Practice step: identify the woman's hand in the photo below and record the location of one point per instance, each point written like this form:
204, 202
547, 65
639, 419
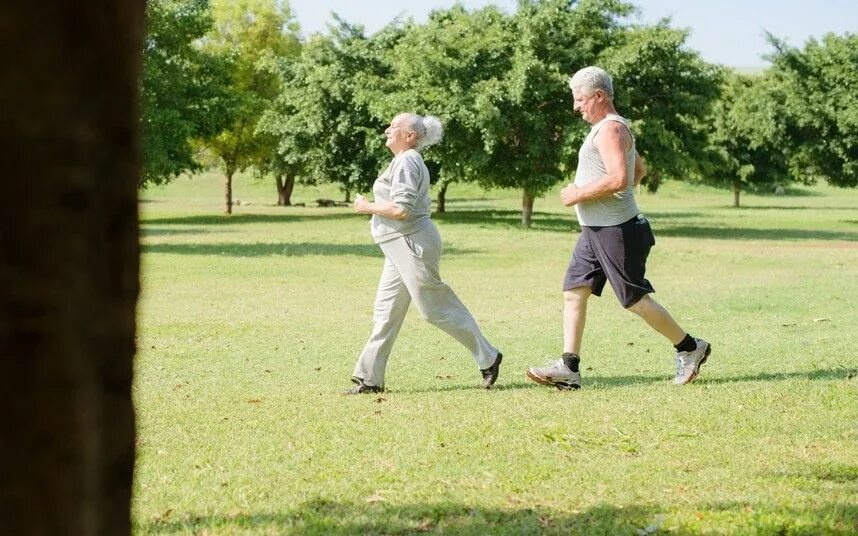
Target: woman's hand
361, 205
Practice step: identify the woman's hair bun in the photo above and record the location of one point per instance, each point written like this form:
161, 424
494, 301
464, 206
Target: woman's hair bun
434, 131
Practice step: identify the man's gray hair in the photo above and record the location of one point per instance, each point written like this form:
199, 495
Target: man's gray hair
428, 128
590, 79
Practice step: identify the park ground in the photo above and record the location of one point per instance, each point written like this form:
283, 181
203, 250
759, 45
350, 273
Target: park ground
249, 326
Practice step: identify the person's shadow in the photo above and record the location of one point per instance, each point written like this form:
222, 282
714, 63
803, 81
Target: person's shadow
608, 382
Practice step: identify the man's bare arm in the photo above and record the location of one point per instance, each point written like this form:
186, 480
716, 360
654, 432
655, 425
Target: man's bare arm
640, 168
613, 142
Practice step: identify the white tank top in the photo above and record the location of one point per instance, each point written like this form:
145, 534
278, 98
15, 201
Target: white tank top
612, 209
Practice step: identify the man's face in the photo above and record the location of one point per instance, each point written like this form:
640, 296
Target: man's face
586, 104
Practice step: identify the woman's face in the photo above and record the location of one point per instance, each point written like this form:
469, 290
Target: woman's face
399, 136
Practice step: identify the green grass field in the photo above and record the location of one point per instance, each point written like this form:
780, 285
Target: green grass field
250, 324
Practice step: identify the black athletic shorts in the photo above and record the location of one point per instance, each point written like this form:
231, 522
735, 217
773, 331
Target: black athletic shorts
616, 253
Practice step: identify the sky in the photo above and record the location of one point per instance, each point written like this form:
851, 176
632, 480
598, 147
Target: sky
729, 32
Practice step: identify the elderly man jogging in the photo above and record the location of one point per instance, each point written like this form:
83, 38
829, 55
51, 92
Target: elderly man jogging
615, 238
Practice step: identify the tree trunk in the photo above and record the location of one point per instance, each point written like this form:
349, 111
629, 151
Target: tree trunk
526, 208
70, 259
348, 196
228, 191
652, 181
442, 198
284, 190
737, 187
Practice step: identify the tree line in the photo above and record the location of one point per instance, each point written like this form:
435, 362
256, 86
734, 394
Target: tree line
234, 84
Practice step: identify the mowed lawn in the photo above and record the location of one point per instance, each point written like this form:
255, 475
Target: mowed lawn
250, 324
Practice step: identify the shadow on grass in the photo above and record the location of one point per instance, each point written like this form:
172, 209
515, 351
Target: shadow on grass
465, 200
154, 231
284, 249
510, 218
622, 381
788, 207
746, 233
664, 224
606, 382
541, 221
238, 219
825, 473
322, 516
475, 386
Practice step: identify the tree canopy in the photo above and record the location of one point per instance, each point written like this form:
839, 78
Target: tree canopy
747, 137
321, 116
526, 114
237, 76
183, 93
820, 114
667, 90
246, 35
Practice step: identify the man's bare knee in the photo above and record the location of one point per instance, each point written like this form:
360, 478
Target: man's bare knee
579, 294
641, 306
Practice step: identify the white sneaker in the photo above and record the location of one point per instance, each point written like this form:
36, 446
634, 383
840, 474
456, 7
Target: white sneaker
688, 363
556, 374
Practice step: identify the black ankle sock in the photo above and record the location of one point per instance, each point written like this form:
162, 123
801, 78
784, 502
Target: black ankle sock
688, 344
571, 360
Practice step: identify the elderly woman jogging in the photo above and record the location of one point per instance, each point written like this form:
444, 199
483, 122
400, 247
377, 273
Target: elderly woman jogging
402, 228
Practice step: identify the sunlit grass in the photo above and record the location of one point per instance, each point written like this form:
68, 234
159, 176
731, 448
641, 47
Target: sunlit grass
250, 325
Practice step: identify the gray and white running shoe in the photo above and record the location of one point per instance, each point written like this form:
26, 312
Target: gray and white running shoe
688, 363
557, 374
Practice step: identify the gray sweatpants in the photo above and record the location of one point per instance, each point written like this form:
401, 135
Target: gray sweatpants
411, 272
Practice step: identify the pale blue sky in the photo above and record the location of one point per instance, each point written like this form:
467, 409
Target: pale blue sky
730, 32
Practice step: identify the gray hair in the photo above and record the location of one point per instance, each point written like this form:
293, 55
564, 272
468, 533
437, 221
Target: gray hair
590, 79
428, 129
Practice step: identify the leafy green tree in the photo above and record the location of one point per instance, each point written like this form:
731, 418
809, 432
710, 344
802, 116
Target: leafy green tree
248, 34
667, 91
499, 84
526, 117
438, 68
183, 93
292, 144
821, 107
322, 123
747, 135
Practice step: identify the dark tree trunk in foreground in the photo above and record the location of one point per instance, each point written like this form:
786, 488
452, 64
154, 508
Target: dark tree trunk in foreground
69, 272
285, 185
442, 198
737, 189
526, 208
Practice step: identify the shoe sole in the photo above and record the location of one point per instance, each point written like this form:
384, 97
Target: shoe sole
365, 392
489, 382
366, 389
546, 381
696, 372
